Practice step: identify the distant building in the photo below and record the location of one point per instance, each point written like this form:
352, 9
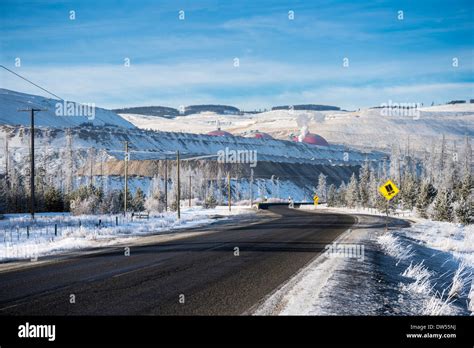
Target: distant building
313, 139
260, 135
220, 133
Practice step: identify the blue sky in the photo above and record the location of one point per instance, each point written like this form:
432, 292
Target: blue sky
281, 61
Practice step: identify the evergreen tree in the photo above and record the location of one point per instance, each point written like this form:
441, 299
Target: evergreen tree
3, 196
138, 201
53, 200
113, 203
154, 202
464, 211
332, 196
464, 208
465, 188
425, 198
341, 195
129, 199
409, 190
373, 192
352, 192
443, 206
86, 200
364, 187
210, 202
321, 189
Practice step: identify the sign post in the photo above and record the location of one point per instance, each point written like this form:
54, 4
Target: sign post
388, 190
315, 200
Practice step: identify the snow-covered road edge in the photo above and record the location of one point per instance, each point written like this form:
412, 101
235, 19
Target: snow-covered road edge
423, 269
299, 294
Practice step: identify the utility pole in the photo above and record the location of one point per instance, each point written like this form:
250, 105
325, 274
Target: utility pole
69, 162
229, 191
190, 190
166, 184
32, 158
91, 175
126, 179
178, 198
251, 188
278, 187
102, 170
7, 159
273, 185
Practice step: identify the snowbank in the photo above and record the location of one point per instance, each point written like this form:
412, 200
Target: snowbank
425, 269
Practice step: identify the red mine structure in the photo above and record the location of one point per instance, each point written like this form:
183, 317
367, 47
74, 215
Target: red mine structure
261, 135
220, 133
313, 139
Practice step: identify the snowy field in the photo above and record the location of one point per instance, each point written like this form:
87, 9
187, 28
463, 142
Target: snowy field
20, 239
424, 269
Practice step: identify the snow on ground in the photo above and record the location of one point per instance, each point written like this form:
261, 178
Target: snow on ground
441, 265
424, 269
20, 239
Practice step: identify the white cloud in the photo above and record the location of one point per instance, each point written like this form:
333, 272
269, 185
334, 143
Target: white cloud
199, 81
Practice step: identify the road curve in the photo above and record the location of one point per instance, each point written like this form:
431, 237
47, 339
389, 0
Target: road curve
203, 268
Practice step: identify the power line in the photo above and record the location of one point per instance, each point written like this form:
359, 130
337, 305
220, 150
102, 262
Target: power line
34, 84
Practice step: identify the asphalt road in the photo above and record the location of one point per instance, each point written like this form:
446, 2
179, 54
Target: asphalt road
203, 268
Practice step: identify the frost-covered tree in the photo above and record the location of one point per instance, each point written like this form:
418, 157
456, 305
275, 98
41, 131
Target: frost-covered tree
409, 190
364, 187
464, 205
322, 189
395, 163
154, 203
464, 211
210, 202
425, 198
443, 206
352, 192
341, 195
449, 174
86, 200
3, 196
465, 189
138, 200
373, 192
112, 202
332, 196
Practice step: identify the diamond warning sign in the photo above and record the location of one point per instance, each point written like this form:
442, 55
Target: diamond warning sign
389, 190
316, 199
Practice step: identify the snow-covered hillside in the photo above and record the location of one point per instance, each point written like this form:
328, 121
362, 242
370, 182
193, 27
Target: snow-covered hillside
156, 145
369, 128
65, 148
11, 102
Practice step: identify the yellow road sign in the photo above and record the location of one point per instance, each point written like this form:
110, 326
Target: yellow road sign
316, 199
389, 190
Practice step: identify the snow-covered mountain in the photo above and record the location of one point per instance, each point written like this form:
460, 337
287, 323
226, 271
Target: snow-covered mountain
65, 147
11, 102
367, 129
